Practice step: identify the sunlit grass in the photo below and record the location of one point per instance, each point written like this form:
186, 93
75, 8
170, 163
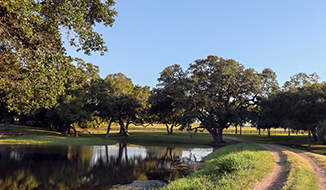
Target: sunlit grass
319, 159
232, 167
162, 138
301, 175
38, 136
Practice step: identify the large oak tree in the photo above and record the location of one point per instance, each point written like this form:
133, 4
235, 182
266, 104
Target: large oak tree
220, 92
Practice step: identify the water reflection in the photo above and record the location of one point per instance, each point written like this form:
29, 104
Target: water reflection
91, 167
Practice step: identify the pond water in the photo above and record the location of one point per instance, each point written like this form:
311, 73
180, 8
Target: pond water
92, 167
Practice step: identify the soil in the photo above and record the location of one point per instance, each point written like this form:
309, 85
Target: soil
317, 170
275, 179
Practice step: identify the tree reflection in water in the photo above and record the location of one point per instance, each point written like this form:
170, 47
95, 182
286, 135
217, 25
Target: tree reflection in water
87, 167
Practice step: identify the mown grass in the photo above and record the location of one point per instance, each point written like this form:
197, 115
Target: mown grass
162, 128
181, 140
232, 167
38, 136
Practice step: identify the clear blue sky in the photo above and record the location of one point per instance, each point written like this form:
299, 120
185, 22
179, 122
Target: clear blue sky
148, 35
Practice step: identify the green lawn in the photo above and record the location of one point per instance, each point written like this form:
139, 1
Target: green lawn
153, 136
39, 136
34, 135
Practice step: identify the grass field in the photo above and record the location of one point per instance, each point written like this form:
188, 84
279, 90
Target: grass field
155, 136
39, 136
162, 128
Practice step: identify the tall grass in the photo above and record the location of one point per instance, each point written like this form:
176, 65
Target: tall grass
232, 167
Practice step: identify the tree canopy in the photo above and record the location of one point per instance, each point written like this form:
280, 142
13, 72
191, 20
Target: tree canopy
34, 64
167, 100
220, 92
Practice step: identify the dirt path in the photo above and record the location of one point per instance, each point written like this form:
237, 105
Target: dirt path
278, 176
275, 179
317, 169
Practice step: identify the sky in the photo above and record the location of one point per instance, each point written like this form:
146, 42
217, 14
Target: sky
147, 36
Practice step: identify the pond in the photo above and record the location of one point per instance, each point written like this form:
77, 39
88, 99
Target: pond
92, 167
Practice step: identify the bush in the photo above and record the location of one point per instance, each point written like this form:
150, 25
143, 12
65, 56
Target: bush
235, 161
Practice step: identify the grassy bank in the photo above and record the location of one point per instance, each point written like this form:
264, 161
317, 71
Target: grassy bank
232, 167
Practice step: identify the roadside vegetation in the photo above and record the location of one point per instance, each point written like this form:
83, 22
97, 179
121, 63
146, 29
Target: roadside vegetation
232, 167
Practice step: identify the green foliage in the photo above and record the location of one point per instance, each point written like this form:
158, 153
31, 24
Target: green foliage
167, 100
299, 106
221, 91
116, 99
300, 80
34, 64
94, 122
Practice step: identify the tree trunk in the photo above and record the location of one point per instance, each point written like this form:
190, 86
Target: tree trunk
240, 130
289, 132
64, 129
269, 132
213, 132
121, 130
108, 131
169, 129
123, 127
220, 134
236, 129
216, 134
75, 131
315, 136
309, 134
7, 121
258, 131
127, 124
